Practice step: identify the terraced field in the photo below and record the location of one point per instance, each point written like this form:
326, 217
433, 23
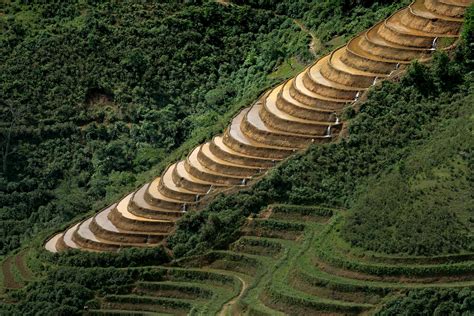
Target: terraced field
303, 110
15, 271
290, 261
173, 291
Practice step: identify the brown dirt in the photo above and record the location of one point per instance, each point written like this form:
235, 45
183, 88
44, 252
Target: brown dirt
21, 265
224, 2
266, 213
8, 277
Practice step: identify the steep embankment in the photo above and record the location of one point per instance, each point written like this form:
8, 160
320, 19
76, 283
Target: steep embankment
301, 111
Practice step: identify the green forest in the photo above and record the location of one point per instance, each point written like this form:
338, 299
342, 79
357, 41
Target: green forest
98, 97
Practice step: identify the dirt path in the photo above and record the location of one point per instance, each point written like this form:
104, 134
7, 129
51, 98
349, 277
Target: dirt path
227, 308
8, 277
315, 43
265, 214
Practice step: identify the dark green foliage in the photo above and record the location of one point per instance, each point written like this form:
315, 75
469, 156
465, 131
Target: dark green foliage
66, 291
193, 290
419, 208
279, 225
301, 210
330, 19
127, 257
432, 302
423, 204
159, 303
468, 34
111, 89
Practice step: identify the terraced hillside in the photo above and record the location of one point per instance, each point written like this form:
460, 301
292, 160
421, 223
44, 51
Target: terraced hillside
15, 272
289, 260
303, 110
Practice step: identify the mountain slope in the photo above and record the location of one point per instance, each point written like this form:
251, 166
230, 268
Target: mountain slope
303, 110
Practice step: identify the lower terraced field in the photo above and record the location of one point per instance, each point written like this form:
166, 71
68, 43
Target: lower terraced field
289, 260
15, 272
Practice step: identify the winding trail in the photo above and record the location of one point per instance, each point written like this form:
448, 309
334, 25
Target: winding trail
315, 42
227, 308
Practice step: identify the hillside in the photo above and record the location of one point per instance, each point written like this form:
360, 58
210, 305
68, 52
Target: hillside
118, 99
305, 109
377, 221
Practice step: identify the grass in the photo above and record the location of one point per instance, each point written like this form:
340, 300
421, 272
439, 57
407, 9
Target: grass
300, 213
148, 303
280, 294
258, 246
123, 312
329, 252
21, 263
172, 290
15, 272
288, 68
359, 254
10, 274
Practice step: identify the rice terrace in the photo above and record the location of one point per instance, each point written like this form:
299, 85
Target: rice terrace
293, 157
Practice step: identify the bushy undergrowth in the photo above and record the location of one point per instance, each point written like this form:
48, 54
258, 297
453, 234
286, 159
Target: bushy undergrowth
91, 143
127, 257
330, 19
67, 289
424, 205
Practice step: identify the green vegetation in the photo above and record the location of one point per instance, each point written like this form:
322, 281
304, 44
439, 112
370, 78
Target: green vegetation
330, 19
423, 206
432, 302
